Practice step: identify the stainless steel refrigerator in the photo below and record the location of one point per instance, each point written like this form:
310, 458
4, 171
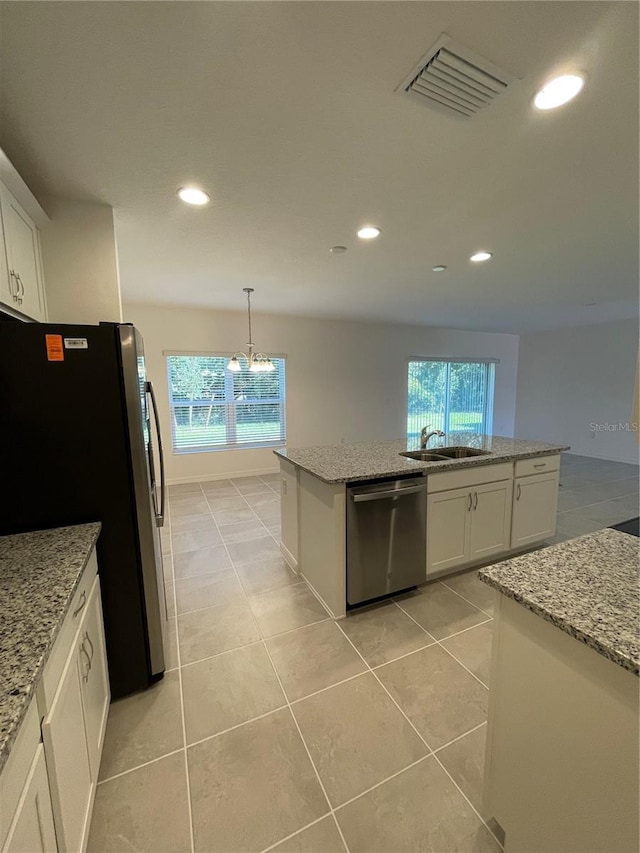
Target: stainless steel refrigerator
80, 441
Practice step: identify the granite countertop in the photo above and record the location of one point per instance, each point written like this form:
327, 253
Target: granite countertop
587, 587
39, 573
343, 463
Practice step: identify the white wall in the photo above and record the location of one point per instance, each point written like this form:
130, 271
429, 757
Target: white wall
345, 380
80, 262
571, 378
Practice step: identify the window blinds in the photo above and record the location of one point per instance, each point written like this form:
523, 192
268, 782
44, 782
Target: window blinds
213, 408
453, 396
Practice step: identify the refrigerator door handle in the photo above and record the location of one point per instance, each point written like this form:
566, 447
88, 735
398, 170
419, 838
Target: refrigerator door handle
163, 487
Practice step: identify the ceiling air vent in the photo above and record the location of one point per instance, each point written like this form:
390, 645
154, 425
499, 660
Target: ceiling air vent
453, 79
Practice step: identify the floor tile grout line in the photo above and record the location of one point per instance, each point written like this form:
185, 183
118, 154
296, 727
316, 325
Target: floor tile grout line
181, 693
474, 809
459, 737
329, 687
244, 592
403, 655
442, 639
140, 766
445, 649
261, 520
238, 725
464, 630
384, 781
297, 832
464, 598
429, 750
304, 743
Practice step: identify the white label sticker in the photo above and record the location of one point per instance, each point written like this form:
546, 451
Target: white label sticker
76, 343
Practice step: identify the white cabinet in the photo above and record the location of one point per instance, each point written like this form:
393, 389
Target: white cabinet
94, 679
448, 528
21, 280
73, 729
467, 525
32, 829
535, 504
68, 763
490, 519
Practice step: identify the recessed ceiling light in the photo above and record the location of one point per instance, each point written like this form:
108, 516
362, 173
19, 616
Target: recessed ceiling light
368, 232
439, 268
558, 91
481, 256
192, 195
338, 250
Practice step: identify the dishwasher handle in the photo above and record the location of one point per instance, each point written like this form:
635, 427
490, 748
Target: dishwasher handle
392, 493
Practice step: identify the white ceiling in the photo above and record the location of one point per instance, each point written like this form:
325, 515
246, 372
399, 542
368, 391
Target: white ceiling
286, 113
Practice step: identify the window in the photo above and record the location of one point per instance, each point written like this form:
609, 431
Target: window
213, 408
454, 396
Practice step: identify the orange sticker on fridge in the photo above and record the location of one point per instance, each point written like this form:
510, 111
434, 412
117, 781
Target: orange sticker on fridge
55, 352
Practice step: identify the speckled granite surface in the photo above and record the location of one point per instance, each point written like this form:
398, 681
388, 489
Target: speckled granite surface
587, 586
39, 573
343, 463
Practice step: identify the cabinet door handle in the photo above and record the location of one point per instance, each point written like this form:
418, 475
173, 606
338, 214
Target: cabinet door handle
13, 277
475, 501
87, 638
83, 601
518, 492
469, 502
20, 292
85, 677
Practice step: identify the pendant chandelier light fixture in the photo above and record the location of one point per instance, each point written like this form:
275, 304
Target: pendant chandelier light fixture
257, 362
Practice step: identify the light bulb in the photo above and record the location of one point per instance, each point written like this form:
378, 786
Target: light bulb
368, 232
559, 91
192, 195
481, 256
234, 365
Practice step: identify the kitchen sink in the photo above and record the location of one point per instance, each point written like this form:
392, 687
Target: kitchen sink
460, 452
442, 454
424, 456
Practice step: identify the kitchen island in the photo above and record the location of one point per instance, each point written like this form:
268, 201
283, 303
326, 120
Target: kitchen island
495, 503
562, 755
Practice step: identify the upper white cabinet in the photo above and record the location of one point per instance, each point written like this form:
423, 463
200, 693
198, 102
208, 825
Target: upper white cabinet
21, 280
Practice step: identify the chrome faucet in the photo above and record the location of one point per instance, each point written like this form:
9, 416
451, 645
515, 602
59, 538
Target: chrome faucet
425, 436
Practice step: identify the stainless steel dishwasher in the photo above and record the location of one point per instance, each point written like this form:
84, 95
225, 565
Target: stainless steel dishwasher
386, 538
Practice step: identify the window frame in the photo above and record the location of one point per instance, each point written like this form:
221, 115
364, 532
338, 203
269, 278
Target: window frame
489, 396
230, 406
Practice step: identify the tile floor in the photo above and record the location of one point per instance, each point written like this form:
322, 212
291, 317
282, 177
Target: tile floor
276, 728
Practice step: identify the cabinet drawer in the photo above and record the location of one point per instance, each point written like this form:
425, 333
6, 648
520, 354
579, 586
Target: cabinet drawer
62, 647
473, 476
537, 465
16, 770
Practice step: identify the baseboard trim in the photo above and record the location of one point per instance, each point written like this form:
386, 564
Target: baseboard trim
319, 597
602, 458
206, 478
289, 559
